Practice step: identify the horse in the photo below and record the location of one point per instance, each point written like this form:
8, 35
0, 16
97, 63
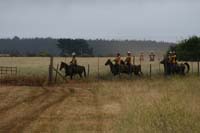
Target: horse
122, 68
71, 70
182, 68
136, 69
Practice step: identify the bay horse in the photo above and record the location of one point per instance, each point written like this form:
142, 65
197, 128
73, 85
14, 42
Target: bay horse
181, 68
122, 68
71, 70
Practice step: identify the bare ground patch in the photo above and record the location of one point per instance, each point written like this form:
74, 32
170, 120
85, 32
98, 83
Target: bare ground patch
69, 108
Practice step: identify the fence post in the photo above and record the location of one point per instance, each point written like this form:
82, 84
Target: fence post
98, 69
56, 73
192, 67
88, 74
51, 70
150, 70
198, 68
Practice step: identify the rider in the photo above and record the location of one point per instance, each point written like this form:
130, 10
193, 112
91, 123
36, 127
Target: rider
173, 61
128, 58
117, 60
73, 62
173, 57
169, 56
128, 61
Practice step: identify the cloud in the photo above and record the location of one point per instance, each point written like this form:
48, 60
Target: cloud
120, 19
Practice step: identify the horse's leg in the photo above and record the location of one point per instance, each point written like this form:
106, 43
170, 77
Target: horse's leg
80, 74
141, 73
183, 70
130, 70
137, 73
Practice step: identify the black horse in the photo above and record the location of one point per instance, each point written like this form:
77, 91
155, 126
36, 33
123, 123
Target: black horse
71, 70
117, 69
182, 68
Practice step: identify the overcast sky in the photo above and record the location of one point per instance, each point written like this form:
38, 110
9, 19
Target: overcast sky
161, 20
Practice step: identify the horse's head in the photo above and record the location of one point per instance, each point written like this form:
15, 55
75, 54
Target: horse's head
108, 62
62, 65
164, 61
122, 62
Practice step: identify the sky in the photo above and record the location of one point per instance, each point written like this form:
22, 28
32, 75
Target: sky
160, 20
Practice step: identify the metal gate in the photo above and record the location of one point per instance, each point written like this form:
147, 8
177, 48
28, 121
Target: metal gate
6, 71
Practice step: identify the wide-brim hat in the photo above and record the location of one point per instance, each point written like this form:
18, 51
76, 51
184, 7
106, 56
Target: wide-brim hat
73, 54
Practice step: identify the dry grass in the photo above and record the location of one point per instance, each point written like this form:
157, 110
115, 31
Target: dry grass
24, 80
161, 106
111, 104
141, 105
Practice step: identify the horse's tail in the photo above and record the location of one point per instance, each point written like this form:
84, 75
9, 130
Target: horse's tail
188, 67
84, 71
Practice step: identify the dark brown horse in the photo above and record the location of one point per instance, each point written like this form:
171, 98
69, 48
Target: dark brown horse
122, 68
71, 70
181, 68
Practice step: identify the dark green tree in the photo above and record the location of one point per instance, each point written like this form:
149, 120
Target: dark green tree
188, 49
79, 46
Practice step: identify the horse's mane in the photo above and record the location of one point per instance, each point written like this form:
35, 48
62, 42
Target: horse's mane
64, 63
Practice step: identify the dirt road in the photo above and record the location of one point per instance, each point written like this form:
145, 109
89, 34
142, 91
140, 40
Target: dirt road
75, 108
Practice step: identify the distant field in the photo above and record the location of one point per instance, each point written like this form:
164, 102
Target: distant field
39, 65
159, 105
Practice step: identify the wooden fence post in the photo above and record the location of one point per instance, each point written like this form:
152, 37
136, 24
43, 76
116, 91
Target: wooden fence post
198, 68
56, 73
150, 70
192, 67
88, 74
51, 70
98, 69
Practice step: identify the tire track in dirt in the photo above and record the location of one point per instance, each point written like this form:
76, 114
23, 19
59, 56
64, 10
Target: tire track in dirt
27, 100
4, 95
18, 124
97, 105
104, 111
9, 123
49, 119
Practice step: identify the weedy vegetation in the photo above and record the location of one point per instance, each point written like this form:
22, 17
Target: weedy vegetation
110, 104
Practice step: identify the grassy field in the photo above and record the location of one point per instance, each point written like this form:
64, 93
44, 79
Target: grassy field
39, 65
112, 104
124, 106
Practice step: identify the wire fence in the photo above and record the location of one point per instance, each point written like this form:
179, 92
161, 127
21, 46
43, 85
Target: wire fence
95, 66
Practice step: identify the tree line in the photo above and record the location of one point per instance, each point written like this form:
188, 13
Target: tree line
65, 46
188, 49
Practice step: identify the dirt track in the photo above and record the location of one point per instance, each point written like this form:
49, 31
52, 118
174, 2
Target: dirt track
55, 109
